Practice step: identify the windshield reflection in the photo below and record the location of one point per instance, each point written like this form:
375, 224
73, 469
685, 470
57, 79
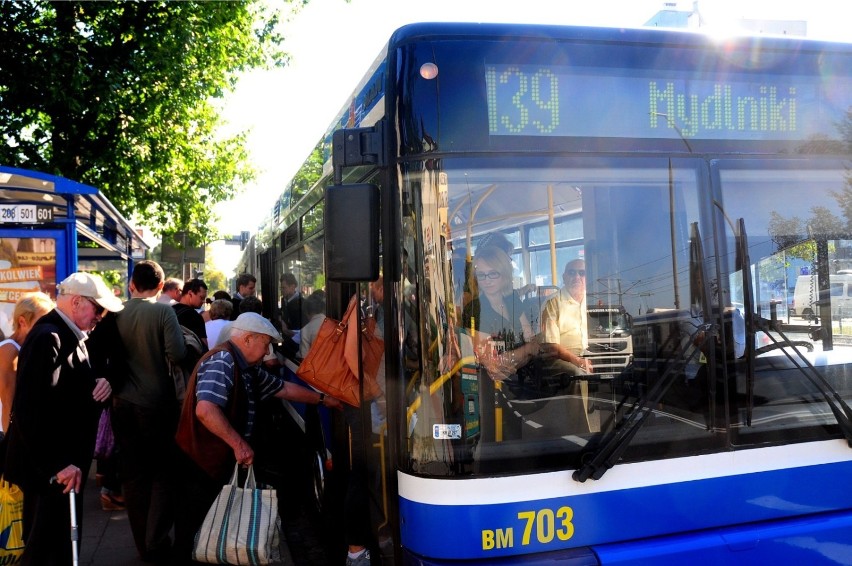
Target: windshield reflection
558, 302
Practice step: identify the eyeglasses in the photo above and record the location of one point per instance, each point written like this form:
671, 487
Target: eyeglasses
575, 272
490, 275
99, 310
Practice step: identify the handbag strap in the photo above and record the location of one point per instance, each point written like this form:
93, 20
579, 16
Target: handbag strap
235, 475
250, 482
353, 302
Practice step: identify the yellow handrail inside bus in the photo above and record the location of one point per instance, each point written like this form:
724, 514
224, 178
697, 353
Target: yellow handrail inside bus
551, 226
410, 386
498, 413
384, 478
436, 385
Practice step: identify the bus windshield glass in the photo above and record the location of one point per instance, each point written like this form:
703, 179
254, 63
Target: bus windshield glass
556, 293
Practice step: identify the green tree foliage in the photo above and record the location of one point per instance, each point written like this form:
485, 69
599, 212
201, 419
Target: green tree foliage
215, 279
308, 174
120, 96
797, 237
113, 278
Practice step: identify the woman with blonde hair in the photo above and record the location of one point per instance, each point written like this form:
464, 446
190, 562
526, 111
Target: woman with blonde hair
496, 317
28, 310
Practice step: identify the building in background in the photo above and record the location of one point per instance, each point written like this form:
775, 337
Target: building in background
683, 15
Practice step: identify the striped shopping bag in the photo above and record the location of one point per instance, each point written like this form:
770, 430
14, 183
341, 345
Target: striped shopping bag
241, 527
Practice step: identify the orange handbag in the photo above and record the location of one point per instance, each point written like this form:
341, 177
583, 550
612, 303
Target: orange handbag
331, 365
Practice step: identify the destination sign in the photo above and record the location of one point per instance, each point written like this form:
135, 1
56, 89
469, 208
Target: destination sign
542, 100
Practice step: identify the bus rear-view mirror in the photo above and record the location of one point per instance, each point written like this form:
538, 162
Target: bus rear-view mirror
352, 232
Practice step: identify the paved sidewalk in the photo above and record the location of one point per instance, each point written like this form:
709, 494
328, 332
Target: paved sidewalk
106, 538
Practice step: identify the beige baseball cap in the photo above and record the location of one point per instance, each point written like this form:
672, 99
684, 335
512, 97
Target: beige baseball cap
92, 286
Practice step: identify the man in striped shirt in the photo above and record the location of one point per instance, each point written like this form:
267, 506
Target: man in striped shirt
218, 420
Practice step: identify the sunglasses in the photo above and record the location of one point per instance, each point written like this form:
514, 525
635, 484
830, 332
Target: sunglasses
99, 310
575, 272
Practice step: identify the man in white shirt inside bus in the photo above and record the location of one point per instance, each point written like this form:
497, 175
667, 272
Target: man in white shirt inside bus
564, 325
564, 320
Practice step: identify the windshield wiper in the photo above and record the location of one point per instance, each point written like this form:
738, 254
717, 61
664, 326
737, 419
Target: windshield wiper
839, 407
701, 296
743, 263
617, 441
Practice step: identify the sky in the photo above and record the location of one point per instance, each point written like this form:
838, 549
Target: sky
333, 42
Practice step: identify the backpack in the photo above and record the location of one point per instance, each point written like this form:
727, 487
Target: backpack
182, 370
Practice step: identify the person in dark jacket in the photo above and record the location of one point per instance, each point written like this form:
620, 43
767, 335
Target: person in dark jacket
245, 283
55, 415
217, 425
192, 298
146, 407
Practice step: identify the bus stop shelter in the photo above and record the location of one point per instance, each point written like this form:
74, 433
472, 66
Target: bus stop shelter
51, 227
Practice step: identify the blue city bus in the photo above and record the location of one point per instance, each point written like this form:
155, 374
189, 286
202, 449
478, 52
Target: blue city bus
688, 173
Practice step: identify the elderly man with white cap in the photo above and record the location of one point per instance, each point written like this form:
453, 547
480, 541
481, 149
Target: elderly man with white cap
217, 423
55, 415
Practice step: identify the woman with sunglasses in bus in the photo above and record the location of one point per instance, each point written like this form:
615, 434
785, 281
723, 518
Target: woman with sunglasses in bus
501, 330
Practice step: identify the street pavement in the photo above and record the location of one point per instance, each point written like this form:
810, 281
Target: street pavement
106, 539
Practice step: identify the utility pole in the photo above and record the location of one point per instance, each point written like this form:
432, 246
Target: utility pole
619, 291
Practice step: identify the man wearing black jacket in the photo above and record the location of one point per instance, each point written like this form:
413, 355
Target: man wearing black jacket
192, 298
57, 403
246, 284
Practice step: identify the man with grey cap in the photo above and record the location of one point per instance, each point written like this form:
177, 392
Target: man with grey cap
217, 422
58, 401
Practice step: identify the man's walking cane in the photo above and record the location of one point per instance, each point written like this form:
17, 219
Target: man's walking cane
75, 534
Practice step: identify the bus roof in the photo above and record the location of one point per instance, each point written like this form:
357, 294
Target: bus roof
624, 35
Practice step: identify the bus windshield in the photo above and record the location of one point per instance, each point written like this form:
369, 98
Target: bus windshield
519, 250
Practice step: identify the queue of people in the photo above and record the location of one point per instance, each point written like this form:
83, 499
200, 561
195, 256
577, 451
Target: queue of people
68, 361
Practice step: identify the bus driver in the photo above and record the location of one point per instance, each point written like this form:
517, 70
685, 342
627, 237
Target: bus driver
564, 320
565, 329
